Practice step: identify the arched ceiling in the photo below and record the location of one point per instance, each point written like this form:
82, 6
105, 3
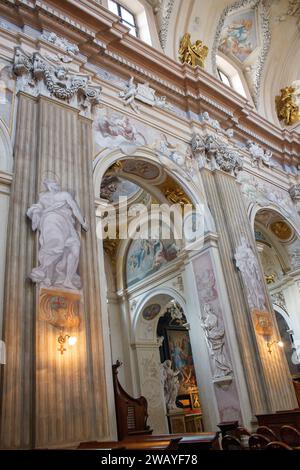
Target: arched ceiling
274, 64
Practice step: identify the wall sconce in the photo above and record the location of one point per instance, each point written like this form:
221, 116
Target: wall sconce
63, 339
271, 343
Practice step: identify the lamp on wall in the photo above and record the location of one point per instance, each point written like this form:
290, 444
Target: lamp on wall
271, 343
63, 339
62, 310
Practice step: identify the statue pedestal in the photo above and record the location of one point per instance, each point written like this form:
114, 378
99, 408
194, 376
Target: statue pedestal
176, 419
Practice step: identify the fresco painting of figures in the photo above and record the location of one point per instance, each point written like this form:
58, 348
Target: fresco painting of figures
146, 256
239, 37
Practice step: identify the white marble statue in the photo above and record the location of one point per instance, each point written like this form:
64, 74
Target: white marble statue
215, 336
247, 263
54, 216
171, 384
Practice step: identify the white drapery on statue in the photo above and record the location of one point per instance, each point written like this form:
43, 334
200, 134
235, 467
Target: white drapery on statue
54, 216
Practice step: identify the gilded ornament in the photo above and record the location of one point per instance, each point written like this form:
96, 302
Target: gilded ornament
287, 105
192, 54
281, 229
110, 246
174, 193
270, 278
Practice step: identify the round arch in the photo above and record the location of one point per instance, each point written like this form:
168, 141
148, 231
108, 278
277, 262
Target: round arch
167, 291
107, 157
254, 208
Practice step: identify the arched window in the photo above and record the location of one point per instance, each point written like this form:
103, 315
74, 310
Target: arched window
137, 15
127, 17
232, 76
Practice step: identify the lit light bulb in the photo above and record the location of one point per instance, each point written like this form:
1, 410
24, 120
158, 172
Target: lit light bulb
280, 344
72, 340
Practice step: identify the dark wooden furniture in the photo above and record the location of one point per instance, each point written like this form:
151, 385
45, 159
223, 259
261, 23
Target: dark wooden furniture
131, 412
296, 382
231, 443
290, 436
228, 427
258, 442
278, 445
276, 420
192, 442
267, 432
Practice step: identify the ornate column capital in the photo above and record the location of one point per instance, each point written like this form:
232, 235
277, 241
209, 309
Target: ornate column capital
37, 75
214, 151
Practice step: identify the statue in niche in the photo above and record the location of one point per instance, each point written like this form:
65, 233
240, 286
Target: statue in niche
215, 336
54, 216
192, 54
171, 384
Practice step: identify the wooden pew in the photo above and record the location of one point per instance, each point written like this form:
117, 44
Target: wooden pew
276, 420
188, 442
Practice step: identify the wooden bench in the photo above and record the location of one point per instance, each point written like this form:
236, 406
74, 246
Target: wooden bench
276, 420
188, 442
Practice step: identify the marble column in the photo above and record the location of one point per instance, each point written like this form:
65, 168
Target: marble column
267, 375
51, 399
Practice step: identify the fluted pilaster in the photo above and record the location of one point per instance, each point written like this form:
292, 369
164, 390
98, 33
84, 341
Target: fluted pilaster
69, 404
267, 376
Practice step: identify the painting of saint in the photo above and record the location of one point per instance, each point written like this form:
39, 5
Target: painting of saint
182, 359
238, 36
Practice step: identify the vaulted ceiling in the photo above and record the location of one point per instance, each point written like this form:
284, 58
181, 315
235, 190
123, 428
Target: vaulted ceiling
268, 54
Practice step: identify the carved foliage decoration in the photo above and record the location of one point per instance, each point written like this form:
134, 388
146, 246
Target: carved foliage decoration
36, 75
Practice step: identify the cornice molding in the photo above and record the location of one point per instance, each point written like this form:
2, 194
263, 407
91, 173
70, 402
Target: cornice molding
107, 43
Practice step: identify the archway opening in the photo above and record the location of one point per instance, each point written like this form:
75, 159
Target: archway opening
278, 245
181, 391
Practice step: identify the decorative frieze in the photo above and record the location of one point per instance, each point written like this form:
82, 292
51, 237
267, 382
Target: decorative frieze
258, 154
37, 75
144, 93
61, 42
262, 193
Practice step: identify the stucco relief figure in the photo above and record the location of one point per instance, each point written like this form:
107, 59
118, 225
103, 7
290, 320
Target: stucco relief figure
247, 263
171, 384
129, 94
215, 336
54, 216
